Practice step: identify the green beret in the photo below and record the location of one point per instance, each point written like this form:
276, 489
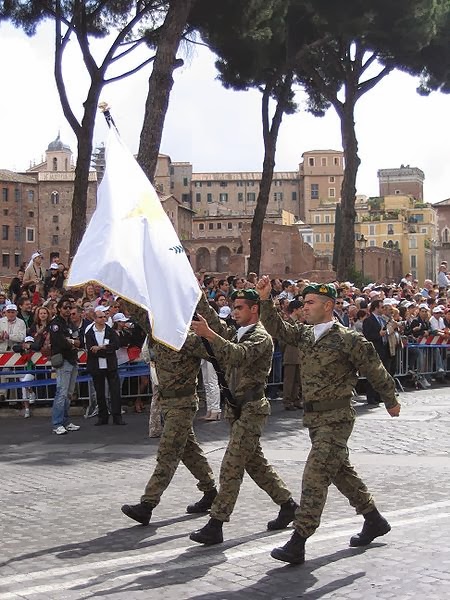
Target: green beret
249, 294
322, 289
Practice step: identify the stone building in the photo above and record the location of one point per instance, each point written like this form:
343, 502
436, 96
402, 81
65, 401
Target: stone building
405, 181
19, 220
318, 179
55, 178
443, 235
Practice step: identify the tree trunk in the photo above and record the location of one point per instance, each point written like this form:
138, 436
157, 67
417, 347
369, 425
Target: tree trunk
270, 135
346, 257
81, 183
160, 84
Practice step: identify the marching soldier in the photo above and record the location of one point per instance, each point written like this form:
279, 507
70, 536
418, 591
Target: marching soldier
331, 356
177, 381
247, 360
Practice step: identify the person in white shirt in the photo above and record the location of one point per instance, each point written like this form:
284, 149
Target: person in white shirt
12, 329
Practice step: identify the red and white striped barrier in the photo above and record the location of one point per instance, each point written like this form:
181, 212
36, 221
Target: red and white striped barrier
13, 359
439, 340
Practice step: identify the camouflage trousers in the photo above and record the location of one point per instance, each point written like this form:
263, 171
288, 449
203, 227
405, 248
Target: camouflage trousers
244, 453
154, 421
328, 462
178, 443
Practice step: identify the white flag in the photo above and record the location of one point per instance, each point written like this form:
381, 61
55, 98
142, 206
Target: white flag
131, 247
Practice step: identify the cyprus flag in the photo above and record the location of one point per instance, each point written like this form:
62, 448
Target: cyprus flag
131, 248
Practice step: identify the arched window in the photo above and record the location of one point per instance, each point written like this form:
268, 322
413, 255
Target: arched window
55, 164
55, 198
445, 235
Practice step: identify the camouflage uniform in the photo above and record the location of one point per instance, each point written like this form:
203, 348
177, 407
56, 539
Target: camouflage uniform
330, 370
247, 363
177, 379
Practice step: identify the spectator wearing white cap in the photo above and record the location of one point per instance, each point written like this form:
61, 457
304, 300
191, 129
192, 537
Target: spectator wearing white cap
12, 329
34, 273
54, 279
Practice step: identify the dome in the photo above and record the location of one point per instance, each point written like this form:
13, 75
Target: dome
58, 145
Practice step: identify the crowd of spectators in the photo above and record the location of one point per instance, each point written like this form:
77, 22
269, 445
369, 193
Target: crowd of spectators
389, 315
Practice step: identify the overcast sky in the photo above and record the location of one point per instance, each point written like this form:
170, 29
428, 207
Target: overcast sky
216, 129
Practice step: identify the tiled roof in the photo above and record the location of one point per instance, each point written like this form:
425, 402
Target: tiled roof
13, 177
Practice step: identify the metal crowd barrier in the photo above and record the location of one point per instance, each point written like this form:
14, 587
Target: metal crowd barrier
42, 379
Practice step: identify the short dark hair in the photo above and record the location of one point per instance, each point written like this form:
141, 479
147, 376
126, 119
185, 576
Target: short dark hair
375, 304
62, 301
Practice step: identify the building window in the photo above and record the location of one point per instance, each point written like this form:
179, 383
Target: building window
331, 179
311, 161
372, 243
327, 238
5, 232
240, 183
278, 183
413, 261
185, 198
223, 184
314, 191
17, 260
327, 219
29, 232
445, 235
251, 183
185, 181
416, 218
5, 194
372, 229
201, 226
208, 183
198, 184
210, 225
198, 197
172, 185
55, 218
171, 170
251, 196
390, 230
31, 213
278, 196
412, 243
294, 196
17, 195
5, 212
55, 240
316, 218
55, 164
17, 235
239, 225
423, 230
331, 192
240, 197
323, 161
223, 197
5, 261
229, 225
317, 237
219, 225
209, 198
54, 198
337, 161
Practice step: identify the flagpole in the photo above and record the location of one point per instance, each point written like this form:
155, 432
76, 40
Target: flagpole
105, 109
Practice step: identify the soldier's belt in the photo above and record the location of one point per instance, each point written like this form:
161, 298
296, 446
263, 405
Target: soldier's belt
323, 405
177, 392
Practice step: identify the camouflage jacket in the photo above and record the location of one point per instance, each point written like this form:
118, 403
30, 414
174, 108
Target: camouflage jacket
177, 371
330, 366
246, 363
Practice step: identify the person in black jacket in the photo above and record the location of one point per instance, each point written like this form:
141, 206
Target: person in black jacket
374, 330
64, 344
101, 344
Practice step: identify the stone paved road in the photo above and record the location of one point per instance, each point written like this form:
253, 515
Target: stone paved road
63, 535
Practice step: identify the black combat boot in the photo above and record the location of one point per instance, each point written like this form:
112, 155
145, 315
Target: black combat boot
285, 516
142, 512
204, 504
210, 534
292, 552
374, 526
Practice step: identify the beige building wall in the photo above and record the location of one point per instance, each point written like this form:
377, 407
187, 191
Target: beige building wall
322, 172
